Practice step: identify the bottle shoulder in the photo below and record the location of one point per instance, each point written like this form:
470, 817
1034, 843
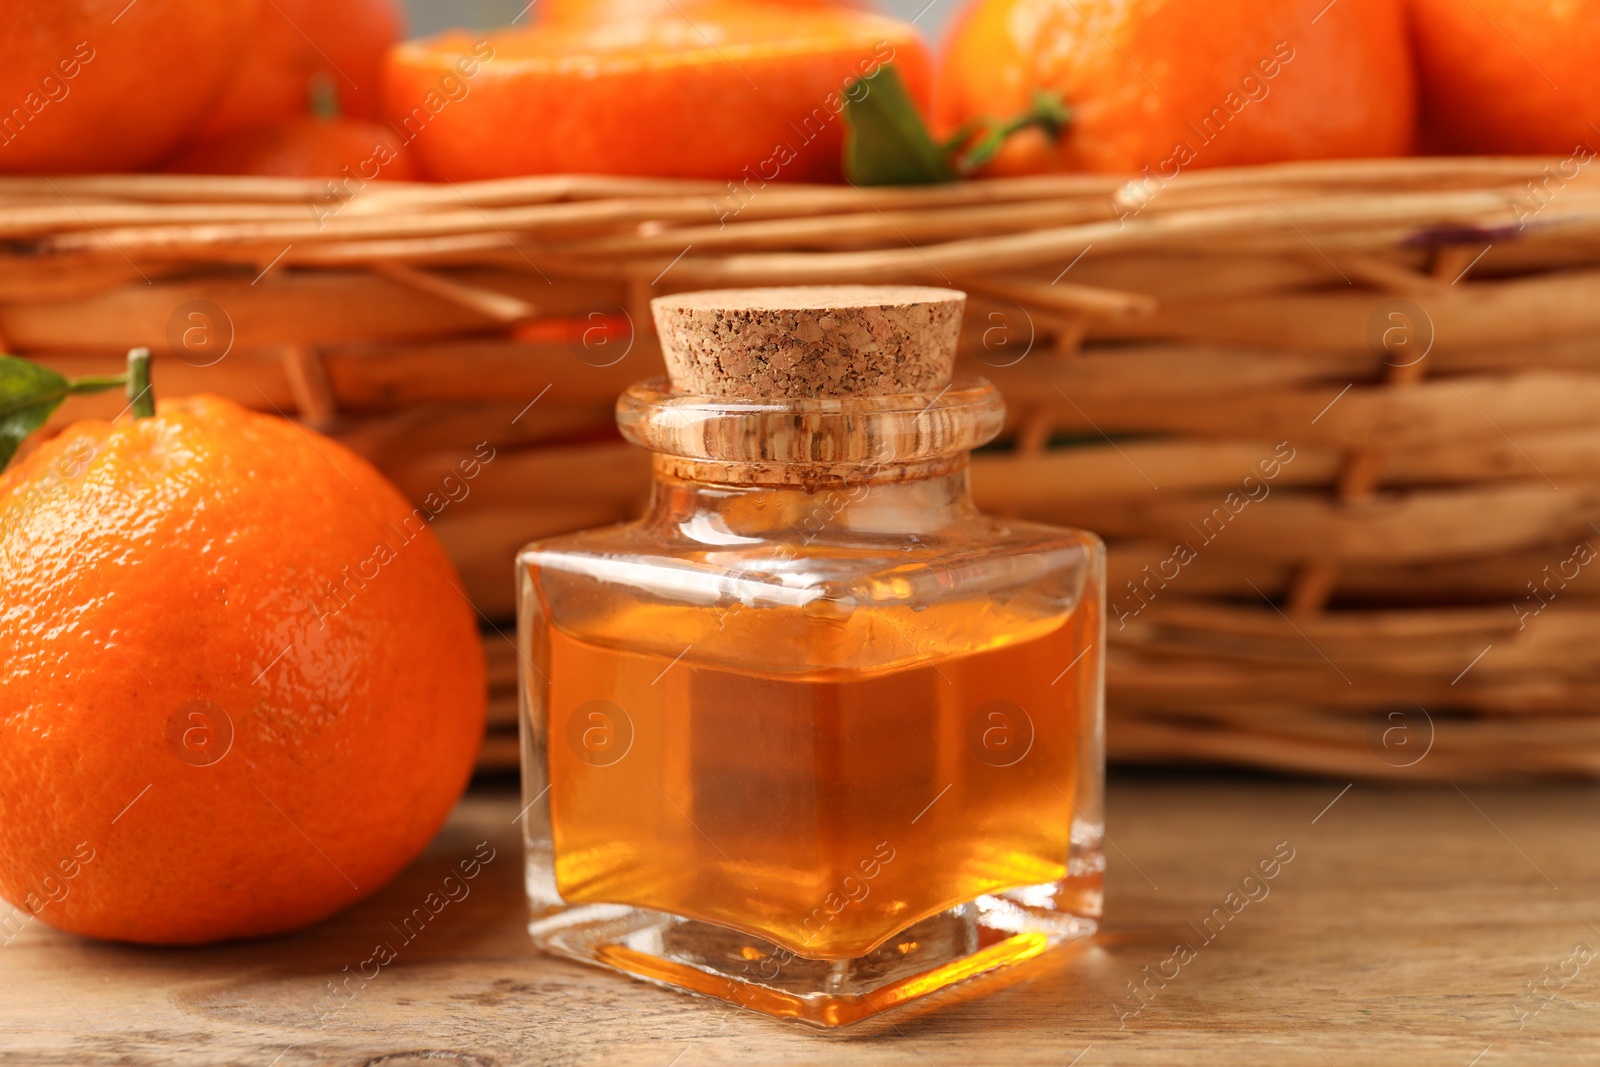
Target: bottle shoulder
978, 548
865, 602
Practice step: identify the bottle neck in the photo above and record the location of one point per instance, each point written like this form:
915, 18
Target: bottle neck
733, 470
896, 499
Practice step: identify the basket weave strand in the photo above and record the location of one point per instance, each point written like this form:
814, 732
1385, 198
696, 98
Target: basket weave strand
1411, 348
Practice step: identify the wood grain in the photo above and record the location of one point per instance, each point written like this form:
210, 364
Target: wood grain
1404, 929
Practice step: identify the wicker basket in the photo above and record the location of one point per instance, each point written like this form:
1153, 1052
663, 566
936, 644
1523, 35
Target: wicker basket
1340, 422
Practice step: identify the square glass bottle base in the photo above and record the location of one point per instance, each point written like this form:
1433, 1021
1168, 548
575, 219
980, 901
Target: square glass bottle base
979, 937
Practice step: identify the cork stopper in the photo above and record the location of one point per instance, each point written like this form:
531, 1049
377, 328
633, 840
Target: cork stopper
810, 341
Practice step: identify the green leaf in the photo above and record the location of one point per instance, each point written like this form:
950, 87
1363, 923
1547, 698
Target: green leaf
29, 394
885, 140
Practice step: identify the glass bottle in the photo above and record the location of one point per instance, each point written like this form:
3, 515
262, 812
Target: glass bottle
814, 735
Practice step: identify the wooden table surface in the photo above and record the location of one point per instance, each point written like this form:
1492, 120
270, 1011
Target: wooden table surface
1413, 925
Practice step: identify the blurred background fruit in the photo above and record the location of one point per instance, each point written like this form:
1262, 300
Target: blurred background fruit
736, 90
1503, 77
294, 44
300, 148
604, 10
237, 665
1171, 84
104, 85
428, 17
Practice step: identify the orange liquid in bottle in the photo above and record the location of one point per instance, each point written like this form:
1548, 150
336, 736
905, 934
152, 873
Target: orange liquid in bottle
823, 810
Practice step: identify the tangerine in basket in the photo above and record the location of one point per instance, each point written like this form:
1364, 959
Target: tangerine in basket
104, 85
300, 148
1499, 77
1175, 84
749, 92
299, 46
241, 687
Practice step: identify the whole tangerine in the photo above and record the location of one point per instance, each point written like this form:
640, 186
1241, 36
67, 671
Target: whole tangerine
241, 686
718, 90
1500, 77
1174, 84
105, 85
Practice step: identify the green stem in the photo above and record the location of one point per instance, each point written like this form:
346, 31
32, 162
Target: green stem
888, 143
324, 94
1049, 113
140, 395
